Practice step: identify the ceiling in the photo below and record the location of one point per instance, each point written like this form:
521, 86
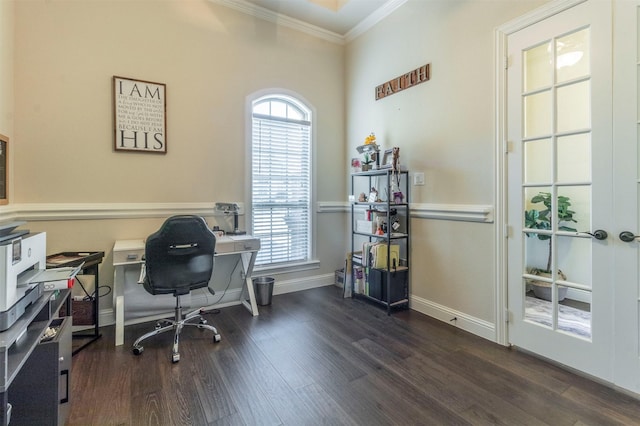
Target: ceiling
335, 18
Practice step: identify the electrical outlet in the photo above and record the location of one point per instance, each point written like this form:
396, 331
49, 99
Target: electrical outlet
418, 178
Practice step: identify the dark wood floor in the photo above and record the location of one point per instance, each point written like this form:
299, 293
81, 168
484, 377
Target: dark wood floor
314, 358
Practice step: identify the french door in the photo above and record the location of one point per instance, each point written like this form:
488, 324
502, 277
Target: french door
626, 122
560, 192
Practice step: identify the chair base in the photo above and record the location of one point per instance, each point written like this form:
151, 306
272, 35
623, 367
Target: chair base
177, 324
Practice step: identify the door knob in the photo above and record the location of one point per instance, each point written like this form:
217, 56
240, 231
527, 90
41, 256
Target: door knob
598, 234
628, 237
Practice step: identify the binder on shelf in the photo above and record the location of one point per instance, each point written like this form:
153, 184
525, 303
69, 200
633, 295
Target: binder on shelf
374, 255
379, 256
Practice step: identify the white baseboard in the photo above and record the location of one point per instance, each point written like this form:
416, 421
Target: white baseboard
461, 320
298, 284
231, 298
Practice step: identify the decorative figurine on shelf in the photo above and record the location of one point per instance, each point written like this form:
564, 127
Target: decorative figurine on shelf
363, 197
398, 197
395, 159
370, 150
373, 195
371, 139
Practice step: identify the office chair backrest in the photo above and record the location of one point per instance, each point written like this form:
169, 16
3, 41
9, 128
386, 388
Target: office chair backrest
179, 256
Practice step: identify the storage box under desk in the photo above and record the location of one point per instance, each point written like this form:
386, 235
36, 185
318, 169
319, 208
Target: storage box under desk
378, 284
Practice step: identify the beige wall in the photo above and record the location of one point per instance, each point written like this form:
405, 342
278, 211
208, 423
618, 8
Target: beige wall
210, 58
444, 128
6, 77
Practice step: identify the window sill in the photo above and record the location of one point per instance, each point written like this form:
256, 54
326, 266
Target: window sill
287, 268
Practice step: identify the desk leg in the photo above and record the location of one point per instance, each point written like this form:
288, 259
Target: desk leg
248, 260
91, 270
118, 303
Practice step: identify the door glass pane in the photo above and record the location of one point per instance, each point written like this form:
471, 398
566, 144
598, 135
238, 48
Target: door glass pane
537, 161
574, 158
574, 259
538, 225
537, 304
537, 114
574, 107
574, 208
537, 67
574, 312
572, 56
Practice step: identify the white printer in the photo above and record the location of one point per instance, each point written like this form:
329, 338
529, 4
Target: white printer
19, 256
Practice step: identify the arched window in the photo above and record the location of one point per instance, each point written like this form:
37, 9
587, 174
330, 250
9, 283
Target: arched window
281, 179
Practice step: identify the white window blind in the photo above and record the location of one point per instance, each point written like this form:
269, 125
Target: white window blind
281, 181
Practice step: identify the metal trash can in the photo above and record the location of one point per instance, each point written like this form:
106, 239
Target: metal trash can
263, 287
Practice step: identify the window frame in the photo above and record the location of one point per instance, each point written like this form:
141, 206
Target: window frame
296, 100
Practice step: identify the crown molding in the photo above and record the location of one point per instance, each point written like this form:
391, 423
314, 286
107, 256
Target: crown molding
279, 19
296, 24
366, 24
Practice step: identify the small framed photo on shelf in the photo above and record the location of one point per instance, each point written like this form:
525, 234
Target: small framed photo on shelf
387, 159
356, 166
373, 196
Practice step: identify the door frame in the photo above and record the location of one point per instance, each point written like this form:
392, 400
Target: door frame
502, 148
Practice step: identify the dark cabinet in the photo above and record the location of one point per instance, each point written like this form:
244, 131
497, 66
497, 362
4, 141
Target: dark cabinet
39, 394
35, 367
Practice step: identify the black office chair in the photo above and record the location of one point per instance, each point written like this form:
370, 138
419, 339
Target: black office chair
178, 259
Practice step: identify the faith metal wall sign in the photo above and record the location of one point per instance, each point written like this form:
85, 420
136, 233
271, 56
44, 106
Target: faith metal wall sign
405, 81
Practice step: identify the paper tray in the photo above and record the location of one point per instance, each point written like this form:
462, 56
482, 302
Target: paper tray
47, 275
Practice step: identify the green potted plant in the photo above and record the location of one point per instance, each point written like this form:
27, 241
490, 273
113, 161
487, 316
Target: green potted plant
366, 164
542, 219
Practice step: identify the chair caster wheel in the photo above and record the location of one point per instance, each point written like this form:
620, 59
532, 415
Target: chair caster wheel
201, 323
138, 350
175, 358
216, 338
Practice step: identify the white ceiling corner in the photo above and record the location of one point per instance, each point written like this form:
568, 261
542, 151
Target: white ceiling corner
351, 19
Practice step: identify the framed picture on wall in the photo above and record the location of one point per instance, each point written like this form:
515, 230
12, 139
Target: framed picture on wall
139, 115
4, 169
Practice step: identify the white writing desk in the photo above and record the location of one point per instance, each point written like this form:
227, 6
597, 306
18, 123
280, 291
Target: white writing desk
127, 253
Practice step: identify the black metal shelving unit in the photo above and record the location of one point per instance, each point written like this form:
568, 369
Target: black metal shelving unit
387, 286
89, 261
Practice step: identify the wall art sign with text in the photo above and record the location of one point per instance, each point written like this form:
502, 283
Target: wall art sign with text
139, 110
398, 84
4, 169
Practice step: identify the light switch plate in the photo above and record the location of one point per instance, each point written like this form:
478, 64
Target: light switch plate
418, 178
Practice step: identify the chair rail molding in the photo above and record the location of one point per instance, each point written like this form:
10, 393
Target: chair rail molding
80, 211
458, 212
92, 211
